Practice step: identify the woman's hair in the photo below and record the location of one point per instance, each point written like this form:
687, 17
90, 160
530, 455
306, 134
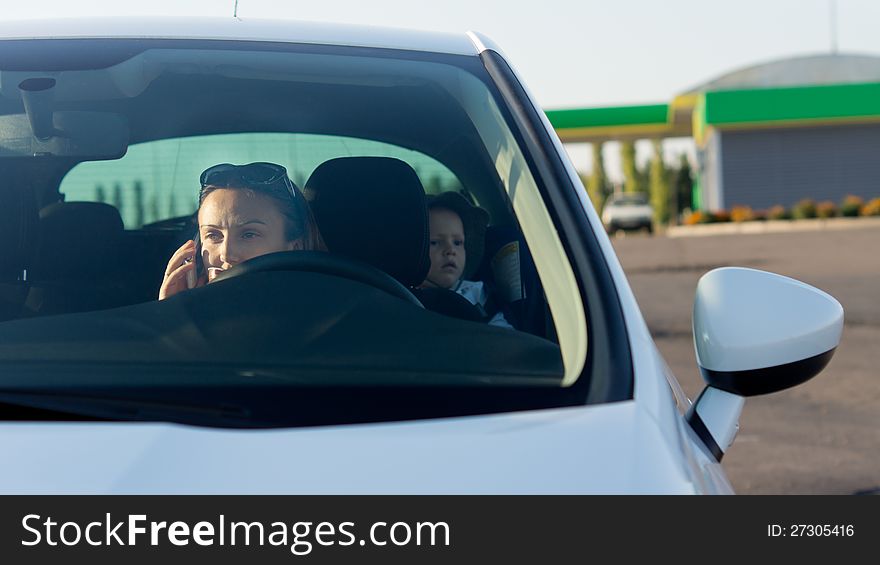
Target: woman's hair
300, 223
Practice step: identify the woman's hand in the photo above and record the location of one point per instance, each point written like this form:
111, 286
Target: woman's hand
179, 266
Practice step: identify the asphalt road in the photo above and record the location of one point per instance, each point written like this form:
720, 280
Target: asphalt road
822, 437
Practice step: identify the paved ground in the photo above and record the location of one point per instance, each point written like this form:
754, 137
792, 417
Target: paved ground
822, 437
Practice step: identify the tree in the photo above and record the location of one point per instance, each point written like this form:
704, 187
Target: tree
597, 183
139, 209
659, 185
155, 214
684, 186
172, 206
117, 197
632, 180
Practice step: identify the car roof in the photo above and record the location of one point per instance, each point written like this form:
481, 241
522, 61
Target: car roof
287, 31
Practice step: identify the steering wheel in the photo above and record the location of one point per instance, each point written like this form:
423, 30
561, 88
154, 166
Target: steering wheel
323, 263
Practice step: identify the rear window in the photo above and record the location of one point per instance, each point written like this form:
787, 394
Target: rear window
157, 180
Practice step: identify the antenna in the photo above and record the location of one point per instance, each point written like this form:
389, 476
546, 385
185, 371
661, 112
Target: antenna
832, 23
235, 10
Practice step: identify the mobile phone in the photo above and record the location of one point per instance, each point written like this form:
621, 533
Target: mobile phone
193, 276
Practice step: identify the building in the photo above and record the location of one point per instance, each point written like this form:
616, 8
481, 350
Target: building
774, 133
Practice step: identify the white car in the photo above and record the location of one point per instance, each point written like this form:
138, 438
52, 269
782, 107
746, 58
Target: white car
628, 211
312, 372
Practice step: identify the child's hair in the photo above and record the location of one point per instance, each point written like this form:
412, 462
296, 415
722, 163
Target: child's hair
474, 220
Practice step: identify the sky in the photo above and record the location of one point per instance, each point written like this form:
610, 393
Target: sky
572, 53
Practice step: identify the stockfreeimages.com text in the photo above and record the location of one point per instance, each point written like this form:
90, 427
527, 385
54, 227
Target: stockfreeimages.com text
300, 537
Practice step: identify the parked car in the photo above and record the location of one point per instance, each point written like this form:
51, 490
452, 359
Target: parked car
628, 211
313, 372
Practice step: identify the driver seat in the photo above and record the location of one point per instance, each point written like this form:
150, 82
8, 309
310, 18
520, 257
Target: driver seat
372, 209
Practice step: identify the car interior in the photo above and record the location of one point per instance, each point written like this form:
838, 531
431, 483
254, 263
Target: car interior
76, 256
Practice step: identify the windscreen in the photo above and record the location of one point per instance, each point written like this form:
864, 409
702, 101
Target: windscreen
369, 218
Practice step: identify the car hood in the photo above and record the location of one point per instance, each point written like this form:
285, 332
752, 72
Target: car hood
613, 448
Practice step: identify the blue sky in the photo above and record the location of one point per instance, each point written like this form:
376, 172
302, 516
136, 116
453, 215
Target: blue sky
572, 53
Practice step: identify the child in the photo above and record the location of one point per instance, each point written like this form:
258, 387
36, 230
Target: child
457, 231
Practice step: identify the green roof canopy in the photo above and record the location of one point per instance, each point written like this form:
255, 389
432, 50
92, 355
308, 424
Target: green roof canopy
611, 116
692, 114
792, 104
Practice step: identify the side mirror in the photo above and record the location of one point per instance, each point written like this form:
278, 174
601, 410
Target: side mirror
755, 333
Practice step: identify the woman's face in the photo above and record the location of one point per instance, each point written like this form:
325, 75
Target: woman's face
236, 225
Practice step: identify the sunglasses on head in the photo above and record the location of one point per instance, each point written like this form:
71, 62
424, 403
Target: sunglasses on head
250, 174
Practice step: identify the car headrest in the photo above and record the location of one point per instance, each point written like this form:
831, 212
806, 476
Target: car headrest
372, 209
78, 240
18, 220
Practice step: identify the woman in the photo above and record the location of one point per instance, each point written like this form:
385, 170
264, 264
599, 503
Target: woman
244, 211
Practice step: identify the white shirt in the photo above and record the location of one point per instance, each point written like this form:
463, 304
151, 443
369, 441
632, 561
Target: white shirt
475, 293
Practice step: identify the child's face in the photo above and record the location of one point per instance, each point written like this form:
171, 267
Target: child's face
446, 249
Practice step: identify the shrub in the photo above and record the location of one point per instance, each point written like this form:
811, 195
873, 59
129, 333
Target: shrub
872, 208
804, 209
778, 212
721, 216
697, 217
742, 214
826, 209
704, 217
851, 206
